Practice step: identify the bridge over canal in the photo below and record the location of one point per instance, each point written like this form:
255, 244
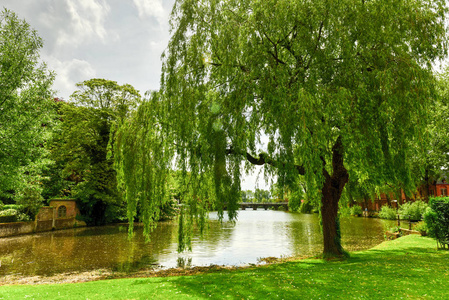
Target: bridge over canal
254, 206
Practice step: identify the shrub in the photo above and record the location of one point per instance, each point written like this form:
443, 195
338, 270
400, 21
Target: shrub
421, 227
13, 206
388, 213
12, 215
437, 220
344, 211
414, 210
356, 210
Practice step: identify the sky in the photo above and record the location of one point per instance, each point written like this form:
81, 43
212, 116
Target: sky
120, 40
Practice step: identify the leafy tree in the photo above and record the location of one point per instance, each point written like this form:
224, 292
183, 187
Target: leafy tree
341, 89
25, 109
83, 146
261, 195
437, 157
247, 196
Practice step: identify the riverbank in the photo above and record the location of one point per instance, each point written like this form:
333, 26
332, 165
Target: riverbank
409, 267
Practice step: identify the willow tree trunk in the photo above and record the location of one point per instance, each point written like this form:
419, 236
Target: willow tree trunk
330, 196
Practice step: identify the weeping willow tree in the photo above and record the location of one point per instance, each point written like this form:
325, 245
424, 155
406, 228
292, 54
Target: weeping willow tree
339, 88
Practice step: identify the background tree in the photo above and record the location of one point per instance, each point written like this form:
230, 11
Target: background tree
340, 88
26, 111
83, 146
261, 195
436, 160
247, 196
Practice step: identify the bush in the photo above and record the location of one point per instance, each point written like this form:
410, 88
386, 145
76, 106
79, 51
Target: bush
13, 206
12, 215
356, 210
437, 220
414, 210
344, 211
388, 213
421, 227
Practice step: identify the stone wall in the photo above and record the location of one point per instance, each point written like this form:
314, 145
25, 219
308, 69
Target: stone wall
69, 204
46, 220
64, 223
16, 228
45, 213
45, 225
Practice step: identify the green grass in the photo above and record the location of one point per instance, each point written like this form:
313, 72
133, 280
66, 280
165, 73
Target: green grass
409, 267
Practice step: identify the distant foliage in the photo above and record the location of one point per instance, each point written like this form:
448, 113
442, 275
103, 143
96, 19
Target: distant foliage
388, 213
169, 210
437, 220
413, 210
356, 210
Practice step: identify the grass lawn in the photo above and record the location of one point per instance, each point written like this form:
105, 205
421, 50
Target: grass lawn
409, 267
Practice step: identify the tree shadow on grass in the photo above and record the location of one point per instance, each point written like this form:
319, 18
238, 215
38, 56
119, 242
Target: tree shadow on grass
402, 269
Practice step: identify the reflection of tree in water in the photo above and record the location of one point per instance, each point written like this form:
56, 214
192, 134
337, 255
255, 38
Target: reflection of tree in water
36, 254
357, 233
83, 249
92, 248
109, 247
360, 233
132, 265
303, 231
184, 262
216, 233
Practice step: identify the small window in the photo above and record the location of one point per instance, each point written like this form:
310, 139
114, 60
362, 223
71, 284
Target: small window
443, 192
62, 211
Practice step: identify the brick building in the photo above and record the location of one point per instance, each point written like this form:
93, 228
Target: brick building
436, 189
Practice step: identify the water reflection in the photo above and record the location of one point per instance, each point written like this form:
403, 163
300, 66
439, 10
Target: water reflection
256, 234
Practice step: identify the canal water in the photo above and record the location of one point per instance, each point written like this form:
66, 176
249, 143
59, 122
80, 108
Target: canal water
256, 234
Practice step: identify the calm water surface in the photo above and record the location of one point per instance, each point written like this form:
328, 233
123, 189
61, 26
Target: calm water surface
256, 234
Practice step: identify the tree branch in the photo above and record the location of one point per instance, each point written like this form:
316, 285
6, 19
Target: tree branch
262, 159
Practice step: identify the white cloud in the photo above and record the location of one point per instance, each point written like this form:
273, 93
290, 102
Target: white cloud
68, 74
151, 8
86, 21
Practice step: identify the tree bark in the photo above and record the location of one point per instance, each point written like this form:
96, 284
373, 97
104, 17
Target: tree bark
330, 196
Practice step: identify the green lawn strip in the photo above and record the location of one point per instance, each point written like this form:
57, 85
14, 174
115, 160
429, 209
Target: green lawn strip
408, 267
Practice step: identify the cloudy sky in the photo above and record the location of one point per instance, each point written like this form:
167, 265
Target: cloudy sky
119, 40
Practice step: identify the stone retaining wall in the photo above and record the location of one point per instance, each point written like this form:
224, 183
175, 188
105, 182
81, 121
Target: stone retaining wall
16, 228
48, 218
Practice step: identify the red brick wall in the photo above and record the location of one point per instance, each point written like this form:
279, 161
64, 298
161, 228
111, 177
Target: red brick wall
45, 213
68, 203
439, 189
